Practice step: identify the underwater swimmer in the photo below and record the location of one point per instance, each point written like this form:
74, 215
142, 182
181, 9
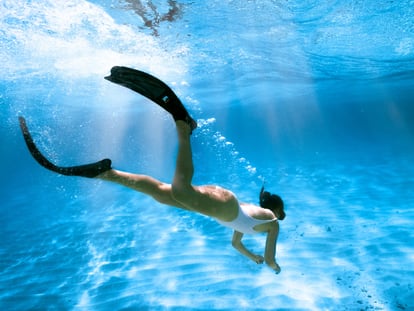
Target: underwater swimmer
213, 201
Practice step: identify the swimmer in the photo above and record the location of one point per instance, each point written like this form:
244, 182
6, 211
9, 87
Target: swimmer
212, 201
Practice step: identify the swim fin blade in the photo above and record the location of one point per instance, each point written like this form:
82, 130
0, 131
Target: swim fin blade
152, 88
88, 170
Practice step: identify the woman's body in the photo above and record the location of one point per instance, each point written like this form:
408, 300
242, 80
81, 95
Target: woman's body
212, 201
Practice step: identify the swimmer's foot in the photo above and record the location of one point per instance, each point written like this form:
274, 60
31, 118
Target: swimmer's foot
88, 170
154, 89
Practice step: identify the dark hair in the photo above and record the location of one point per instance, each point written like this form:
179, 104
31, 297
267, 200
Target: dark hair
272, 202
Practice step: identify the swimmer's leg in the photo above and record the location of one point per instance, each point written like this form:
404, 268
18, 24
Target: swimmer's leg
88, 170
210, 201
102, 170
158, 190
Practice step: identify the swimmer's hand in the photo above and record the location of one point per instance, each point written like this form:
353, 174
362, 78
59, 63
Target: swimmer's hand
275, 267
258, 259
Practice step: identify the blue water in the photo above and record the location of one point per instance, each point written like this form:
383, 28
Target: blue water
315, 97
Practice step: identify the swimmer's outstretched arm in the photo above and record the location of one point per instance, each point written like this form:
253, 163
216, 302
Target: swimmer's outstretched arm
237, 244
270, 250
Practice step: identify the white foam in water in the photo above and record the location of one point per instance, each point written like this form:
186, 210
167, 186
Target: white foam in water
75, 38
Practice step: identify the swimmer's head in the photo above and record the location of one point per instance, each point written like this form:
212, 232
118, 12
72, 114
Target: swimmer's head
272, 202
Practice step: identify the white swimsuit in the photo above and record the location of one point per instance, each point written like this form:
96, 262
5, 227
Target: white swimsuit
243, 222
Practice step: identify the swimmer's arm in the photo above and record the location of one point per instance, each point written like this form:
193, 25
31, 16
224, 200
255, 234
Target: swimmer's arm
237, 244
270, 250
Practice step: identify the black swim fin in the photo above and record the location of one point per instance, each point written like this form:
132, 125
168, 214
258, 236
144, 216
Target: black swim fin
152, 88
88, 170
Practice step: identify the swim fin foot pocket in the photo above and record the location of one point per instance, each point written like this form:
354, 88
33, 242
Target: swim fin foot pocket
154, 89
87, 170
